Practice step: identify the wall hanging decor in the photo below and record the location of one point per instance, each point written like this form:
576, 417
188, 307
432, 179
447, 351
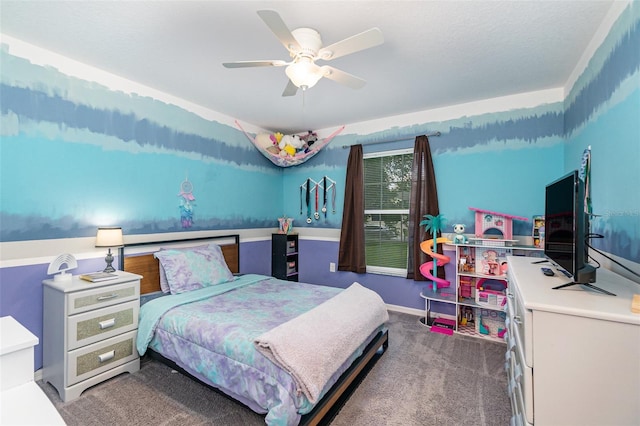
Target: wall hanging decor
186, 203
310, 197
289, 150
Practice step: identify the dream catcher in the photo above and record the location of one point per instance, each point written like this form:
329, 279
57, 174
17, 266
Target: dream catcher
186, 203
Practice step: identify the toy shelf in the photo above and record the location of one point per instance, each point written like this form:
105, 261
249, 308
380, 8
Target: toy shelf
475, 300
470, 330
443, 294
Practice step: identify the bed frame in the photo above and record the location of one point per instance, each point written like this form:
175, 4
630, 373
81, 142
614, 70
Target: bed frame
140, 261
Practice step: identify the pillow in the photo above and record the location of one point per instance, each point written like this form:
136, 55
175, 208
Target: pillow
164, 285
195, 268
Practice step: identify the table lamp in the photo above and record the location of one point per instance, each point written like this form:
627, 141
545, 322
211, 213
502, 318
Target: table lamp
110, 237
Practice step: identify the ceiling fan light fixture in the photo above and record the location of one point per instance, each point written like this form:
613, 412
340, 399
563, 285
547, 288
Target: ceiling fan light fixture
303, 74
304, 46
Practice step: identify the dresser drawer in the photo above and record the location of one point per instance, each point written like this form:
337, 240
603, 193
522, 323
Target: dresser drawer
82, 301
522, 376
99, 357
521, 321
93, 326
518, 418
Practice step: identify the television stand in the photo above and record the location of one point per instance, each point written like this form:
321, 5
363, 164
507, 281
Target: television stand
591, 286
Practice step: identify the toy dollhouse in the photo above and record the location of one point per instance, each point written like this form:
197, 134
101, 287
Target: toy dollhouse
489, 222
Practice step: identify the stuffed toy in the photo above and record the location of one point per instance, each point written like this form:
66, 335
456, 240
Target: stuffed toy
263, 140
459, 238
269, 142
309, 139
290, 144
285, 145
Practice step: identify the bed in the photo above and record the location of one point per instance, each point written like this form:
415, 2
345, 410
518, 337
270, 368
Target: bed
289, 350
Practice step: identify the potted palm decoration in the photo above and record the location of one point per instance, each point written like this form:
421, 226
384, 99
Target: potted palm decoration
434, 224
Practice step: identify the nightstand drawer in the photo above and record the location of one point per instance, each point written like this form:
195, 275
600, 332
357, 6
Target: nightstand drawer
82, 301
94, 359
93, 326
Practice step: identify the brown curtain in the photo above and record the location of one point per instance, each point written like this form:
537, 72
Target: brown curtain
424, 201
351, 254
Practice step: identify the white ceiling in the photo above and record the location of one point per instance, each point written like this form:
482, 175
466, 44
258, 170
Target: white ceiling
436, 53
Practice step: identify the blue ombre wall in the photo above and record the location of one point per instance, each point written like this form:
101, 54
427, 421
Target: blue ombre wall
82, 148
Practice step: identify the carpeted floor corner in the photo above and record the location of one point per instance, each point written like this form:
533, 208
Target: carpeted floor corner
423, 379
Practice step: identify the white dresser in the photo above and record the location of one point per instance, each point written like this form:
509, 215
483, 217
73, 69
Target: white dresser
89, 332
573, 355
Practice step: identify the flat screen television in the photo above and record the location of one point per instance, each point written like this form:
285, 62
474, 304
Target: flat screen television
566, 231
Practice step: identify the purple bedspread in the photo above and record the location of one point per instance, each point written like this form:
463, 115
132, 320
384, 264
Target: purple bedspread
213, 340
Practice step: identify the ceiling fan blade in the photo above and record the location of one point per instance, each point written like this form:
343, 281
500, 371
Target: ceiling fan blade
290, 90
280, 29
364, 40
246, 64
342, 77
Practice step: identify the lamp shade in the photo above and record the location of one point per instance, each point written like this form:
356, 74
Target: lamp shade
109, 237
304, 74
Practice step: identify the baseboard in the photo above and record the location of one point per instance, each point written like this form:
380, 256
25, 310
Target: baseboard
405, 310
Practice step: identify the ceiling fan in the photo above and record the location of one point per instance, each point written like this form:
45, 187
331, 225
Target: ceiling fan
305, 48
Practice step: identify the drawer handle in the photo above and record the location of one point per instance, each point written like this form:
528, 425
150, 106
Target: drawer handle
107, 356
111, 296
107, 323
517, 373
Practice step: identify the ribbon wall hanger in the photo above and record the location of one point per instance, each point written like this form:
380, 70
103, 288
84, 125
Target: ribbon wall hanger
310, 197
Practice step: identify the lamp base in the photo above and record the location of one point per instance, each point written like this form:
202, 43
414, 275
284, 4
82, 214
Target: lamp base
109, 260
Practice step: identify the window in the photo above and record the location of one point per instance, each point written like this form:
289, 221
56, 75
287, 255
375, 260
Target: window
387, 192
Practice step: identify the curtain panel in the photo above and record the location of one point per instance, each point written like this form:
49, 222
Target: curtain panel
424, 201
351, 255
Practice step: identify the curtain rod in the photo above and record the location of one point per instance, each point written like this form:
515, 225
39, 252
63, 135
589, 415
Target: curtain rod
390, 140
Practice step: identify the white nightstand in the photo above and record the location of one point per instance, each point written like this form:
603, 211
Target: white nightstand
89, 332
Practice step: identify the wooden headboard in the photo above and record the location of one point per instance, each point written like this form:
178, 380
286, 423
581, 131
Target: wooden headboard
138, 257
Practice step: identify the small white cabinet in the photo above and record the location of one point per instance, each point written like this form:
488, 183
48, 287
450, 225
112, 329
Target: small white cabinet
22, 402
573, 355
89, 331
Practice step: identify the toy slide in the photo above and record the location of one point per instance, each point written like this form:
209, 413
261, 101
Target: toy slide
426, 269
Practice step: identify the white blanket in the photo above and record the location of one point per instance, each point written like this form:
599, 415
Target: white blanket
314, 345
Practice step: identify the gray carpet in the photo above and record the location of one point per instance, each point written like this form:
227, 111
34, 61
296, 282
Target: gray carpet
423, 379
